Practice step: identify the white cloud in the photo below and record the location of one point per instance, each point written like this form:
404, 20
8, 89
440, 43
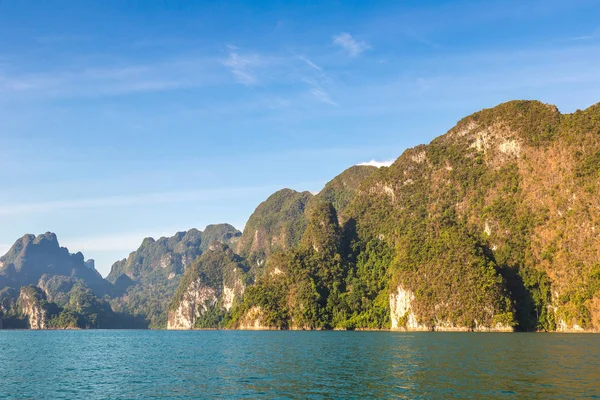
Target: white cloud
378, 164
352, 46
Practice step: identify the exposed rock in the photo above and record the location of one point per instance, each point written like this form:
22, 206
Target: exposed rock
146, 281
197, 299
31, 305
403, 317
253, 319
401, 313
213, 283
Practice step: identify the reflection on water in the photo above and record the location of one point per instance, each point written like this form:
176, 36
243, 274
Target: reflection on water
152, 364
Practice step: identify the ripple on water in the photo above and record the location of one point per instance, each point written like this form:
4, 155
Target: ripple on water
229, 364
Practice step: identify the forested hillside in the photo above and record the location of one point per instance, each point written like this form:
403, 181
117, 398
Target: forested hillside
493, 226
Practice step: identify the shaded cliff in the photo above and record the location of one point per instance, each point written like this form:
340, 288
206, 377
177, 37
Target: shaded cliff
279, 222
32, 257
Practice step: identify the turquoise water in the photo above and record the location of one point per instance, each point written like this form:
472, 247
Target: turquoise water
230, 364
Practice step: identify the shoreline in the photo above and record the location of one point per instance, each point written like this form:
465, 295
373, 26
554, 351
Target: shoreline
567, 332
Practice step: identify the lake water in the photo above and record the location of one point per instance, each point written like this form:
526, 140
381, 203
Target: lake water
233, 364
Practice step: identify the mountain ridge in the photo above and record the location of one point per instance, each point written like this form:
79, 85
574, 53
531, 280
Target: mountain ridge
492, 226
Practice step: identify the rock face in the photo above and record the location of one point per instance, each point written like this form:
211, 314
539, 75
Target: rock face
277, 224
401, 314
31, 304
209, 288
32, 257
253, 320
493, 226
196, 299
219, 233
146, 281
403, 317
156, 259
497, 219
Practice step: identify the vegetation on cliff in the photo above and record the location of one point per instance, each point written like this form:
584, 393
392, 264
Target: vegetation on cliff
494, 224
146, 281
208, 289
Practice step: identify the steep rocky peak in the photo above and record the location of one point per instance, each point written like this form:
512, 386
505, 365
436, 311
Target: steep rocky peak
91, 264
532, 122
47, 239
146, 242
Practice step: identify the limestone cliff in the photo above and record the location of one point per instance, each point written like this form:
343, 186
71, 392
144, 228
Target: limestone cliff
491, 226
32, 304
196, 299
403, 318
501, 211
254, 320
208, 290
146, 281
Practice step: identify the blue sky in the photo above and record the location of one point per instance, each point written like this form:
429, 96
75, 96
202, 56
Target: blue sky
123, 119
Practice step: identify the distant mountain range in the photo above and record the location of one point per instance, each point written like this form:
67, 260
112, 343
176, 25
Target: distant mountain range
493, 226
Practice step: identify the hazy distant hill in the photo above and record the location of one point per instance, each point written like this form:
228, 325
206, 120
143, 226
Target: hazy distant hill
43, 286
31, 257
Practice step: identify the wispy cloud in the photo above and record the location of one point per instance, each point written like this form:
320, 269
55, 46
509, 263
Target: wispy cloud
322, 96
352, 46
317, 79
593, 35
378, 164
9, 209
309, 63
110, 80
241, 66
295, 71
303, 78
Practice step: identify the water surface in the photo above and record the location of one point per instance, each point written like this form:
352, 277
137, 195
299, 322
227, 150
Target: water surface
235, 364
